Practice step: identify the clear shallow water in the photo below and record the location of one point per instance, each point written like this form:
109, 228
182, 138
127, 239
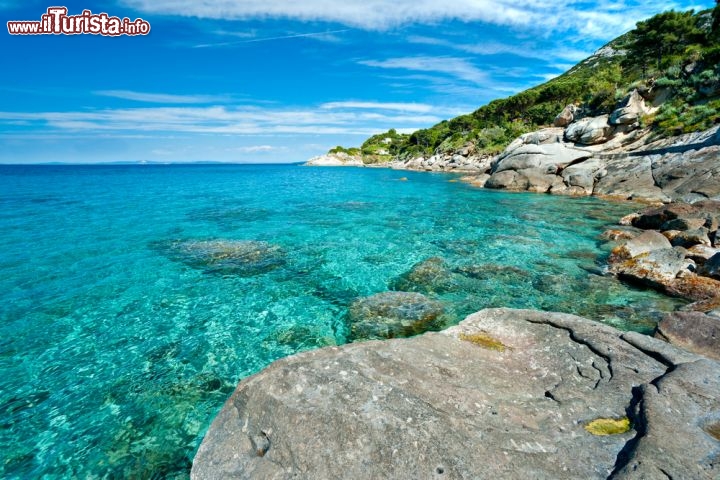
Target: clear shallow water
114, 356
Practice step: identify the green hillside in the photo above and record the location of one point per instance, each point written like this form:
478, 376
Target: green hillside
679, 51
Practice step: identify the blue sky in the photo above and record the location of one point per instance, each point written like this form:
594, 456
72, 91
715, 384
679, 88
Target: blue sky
279, 81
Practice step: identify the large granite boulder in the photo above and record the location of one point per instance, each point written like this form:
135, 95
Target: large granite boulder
589, 131
656, 269
565, 117
507, 394
657, 217
631, 109
643, 243
543, 150
580, 178
392, 314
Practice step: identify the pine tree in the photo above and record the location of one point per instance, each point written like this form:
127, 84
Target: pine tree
715, 30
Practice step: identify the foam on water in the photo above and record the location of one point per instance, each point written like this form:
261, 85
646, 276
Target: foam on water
115, 354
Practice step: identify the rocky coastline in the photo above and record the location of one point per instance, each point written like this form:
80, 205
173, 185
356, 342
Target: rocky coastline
505, 394
611, 156
517, 393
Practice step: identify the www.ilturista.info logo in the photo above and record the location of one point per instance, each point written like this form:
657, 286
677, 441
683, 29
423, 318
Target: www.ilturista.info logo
57, 22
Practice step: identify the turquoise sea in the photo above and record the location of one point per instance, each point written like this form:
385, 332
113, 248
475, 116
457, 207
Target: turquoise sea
118, 346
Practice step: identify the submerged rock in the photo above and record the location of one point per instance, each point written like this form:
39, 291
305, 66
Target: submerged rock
428, 276
392, 314
507, 394
226, 257
492, 271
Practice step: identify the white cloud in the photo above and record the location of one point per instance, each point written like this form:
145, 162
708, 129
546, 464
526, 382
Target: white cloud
326, 36
455, 67
402, 107
240, 120
496, 48
589, 19
160, 97
256, 148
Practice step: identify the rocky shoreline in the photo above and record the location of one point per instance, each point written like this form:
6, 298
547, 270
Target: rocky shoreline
517, 393
505, 394
610, 156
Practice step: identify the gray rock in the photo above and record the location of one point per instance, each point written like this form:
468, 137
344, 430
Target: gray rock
693, 331
549, 157
683, 224
507, 180
538, 180
589, 131
507, 394
656, 217
583, 175
527, 179
656, 268
698, 236
629, 178
687, 170
701, 253
543, 149
643, 243
712, 267
633, 107
565, 117
392, 314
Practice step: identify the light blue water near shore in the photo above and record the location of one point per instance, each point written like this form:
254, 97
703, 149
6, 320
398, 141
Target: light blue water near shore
114, 357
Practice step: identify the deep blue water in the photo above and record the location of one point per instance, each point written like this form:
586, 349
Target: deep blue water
115, 354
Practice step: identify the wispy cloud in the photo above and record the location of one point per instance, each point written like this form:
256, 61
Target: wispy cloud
161, 97
323, 36
401, 107
255, 149
600, 19
455, 67
242, 120
524, 50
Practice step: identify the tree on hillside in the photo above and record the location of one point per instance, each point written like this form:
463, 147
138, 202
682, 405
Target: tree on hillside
664, 35
715, 29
